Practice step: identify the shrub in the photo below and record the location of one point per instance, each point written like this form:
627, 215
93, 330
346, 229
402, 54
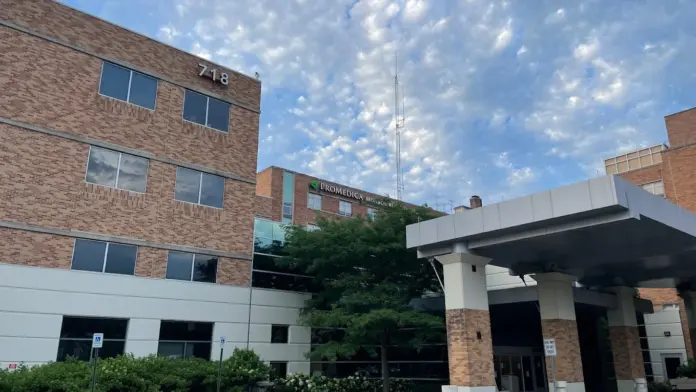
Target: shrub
129, 374
659, 387
358, 383
687, 369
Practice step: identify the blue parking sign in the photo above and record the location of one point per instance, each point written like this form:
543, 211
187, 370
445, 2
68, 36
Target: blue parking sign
97, 340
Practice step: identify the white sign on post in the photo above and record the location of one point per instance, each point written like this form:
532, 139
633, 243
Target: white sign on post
222, 340
97, 340
550, 347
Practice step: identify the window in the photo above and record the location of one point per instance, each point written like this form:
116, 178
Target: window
117, 170
184, 339
345, 208
279, 368
656, 188
207, 111
670, 306
285, 282
191, 267
371, 213
106, 257
314, 201
279, 333
76, 337
288, 196
128, 85
311, 227
199, 188
269, 237
634, 160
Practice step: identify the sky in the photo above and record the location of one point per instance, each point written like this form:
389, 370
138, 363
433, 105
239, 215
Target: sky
500, 98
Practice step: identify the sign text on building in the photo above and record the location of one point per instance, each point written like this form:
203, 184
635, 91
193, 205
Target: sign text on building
217, 76
339, 190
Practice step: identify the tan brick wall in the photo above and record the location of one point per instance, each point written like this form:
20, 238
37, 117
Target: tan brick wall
264, 182
233, 271
680, 182
51, 18
264, 207
35, 249
42, 183
681, 128
626, 351
65, 97
470, 358
151, 263
643, 175
568, 359
660, 297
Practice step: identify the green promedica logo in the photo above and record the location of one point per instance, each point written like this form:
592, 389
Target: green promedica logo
315, 185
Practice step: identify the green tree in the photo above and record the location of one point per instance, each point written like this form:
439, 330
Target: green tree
369, 281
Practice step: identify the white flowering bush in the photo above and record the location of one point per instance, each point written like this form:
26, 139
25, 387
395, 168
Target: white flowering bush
358, 383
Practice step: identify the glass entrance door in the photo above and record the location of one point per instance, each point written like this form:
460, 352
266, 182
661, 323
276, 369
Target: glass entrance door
520, 373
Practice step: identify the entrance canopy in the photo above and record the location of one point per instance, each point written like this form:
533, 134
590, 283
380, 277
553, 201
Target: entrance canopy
605, 231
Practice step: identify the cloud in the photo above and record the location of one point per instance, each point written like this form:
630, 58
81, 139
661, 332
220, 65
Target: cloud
546, 87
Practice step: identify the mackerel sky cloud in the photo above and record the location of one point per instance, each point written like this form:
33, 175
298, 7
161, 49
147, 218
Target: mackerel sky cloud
502, 98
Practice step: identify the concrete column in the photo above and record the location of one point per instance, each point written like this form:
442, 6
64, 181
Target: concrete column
469, 340
625, 340
557, 308
689, 298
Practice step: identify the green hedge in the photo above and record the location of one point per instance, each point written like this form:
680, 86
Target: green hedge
129, 374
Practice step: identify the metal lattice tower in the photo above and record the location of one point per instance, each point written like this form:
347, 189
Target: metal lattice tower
399, 122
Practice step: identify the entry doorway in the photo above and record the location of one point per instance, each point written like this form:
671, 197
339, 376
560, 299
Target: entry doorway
520, 369
670, 363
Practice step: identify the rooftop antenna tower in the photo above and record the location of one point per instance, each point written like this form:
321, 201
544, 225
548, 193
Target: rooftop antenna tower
399, 122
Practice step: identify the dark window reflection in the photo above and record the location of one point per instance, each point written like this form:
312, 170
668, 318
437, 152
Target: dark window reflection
205, 268
114, 81
102, 167
212, 190
80, 349
280, 369
76, 337
276, 281
218, 114
187, 185
120, 259
133, 173
143, 90
280, 333
179, 265
195, 107
184, 339
88, 255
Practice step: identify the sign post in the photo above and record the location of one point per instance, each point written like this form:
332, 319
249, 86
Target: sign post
550, 351
97, 343
222, 348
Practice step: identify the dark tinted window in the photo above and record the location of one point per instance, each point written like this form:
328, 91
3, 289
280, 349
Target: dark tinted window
184, 350
143, 90
212, 190
76, 337
203, 110
79, 349
205, 268
120, 259
179, 265
114, 169
280, 369
279, 333
115, 81
187, 187
218, 114
186, 331
270, 280
195, 107
89, 255
127, 85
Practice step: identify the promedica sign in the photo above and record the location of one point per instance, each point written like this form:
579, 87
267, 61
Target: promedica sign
338, 190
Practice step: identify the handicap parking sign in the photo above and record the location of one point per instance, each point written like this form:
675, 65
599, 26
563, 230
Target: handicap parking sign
97, 340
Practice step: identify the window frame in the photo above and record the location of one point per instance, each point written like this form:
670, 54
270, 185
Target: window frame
310, 196
207, 111
340, 210
200, 188
371, 212
130, 84
106, 255
118, 169
193, 266
651, 186
89, 339
185, 342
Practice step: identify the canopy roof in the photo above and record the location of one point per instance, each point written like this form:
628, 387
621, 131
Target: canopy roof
606, 231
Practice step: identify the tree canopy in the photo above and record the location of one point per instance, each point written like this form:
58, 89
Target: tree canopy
369, 280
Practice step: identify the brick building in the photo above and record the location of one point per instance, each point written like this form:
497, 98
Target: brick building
127, 196
668, 171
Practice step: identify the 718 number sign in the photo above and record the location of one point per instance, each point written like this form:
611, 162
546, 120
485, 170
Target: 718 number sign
221, 77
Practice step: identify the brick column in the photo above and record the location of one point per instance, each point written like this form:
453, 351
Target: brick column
557, 308
469, 341
625, 340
